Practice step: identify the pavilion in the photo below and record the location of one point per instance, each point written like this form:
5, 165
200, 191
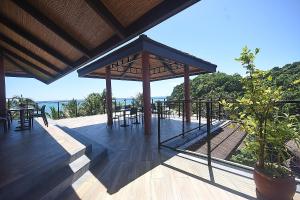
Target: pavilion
146, 60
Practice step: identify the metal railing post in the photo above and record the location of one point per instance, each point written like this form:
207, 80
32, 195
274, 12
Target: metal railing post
197, 109
164, 113
199, 114
179, 108
76, 109
208, 117
183, 110
58, 110
158, 124
211, 111
219, 109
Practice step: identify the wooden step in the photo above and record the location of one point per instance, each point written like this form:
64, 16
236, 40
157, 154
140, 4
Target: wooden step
94, 150
43, 167
55, 185
64, 178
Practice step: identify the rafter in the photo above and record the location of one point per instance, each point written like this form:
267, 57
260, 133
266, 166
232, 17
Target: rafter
28, 36
39, 16
33, 66
29, 53
107, 16
166, 65
129, 65
24, 69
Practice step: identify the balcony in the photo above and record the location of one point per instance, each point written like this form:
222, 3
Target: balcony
83, 158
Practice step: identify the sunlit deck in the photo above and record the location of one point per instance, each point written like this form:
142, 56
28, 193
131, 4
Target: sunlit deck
134, 168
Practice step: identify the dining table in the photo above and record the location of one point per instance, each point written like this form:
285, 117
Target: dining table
22, 110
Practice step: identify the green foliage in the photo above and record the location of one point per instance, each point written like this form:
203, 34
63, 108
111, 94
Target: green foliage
215, 85
267, 129
288, 77
16, 101
20, 100
54, 113
243, 156
70, 109
93, 104
207, 86
139, 99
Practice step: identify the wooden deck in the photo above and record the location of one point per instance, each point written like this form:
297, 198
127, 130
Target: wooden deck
223, 143
133, 169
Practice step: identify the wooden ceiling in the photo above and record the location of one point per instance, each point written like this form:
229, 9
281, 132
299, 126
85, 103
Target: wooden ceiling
47, 39
165, 62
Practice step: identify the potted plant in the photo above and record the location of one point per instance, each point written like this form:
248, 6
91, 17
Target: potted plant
268, 129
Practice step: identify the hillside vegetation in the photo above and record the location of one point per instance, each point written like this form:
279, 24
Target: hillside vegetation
215, 85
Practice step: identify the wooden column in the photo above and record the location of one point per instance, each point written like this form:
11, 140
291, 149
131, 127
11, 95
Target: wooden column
2, 86
146, 92
187, 95
108, 96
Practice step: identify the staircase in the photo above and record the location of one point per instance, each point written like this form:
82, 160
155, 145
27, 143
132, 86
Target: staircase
51, 179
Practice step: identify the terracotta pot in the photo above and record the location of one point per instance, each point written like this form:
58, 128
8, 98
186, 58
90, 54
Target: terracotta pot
269, 188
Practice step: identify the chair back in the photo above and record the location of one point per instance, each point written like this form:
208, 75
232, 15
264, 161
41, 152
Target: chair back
44, 116
127, 106
133, 111
153, 107
117, 109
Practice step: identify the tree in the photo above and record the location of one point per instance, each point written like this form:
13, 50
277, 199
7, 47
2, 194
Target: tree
19, 100
70, 109
267, 128
139, 99
93, 104
215, 85
54, 114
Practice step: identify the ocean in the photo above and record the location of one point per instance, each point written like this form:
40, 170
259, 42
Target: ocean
59, 104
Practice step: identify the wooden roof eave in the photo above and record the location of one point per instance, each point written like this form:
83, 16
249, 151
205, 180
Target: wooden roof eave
125, 78
143, 43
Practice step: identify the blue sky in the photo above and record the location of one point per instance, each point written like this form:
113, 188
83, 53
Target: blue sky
214, 30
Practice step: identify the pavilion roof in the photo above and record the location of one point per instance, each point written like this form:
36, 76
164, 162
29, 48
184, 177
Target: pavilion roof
165, 62
48, 39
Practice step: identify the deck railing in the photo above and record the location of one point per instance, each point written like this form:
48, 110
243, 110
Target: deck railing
59, 106
208, 110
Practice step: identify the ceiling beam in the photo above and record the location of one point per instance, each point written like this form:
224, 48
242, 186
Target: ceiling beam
33, 66
24, 69
129, 65
166, 65
39, 16
107, 16
37, 42
28, 53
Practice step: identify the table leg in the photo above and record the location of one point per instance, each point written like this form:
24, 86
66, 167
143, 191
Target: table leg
124, 119
136, 119
22, 119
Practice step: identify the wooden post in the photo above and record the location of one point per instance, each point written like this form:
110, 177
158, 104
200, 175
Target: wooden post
187, 96
2, 87
108, 96
146, 92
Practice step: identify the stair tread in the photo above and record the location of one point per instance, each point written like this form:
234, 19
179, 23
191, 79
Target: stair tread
79, 163
49, 181
70, 144
66, 174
